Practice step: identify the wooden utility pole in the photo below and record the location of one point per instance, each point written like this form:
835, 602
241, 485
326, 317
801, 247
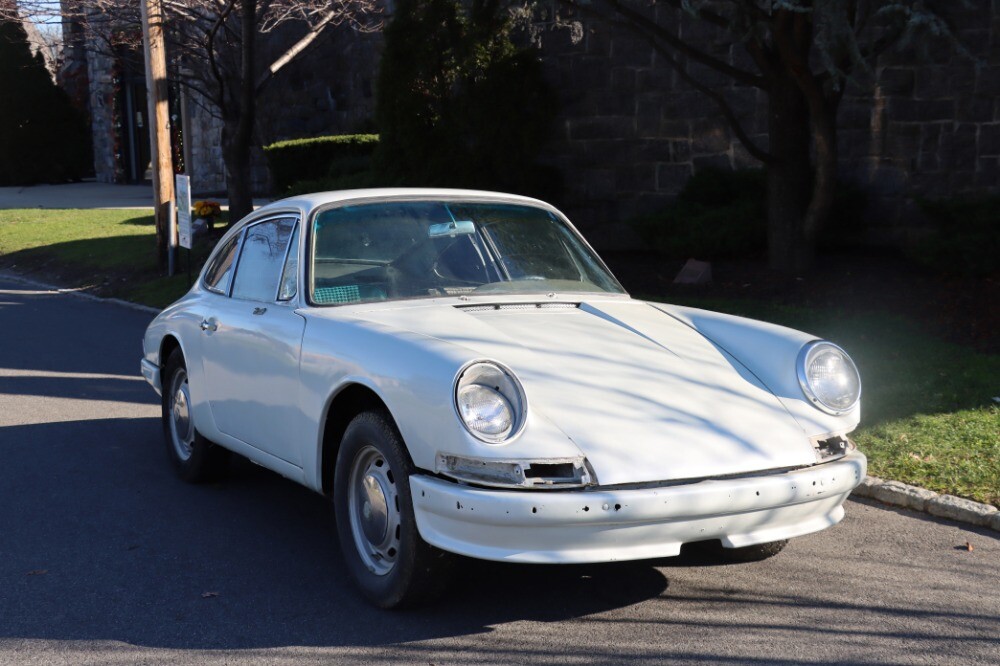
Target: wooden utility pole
153, 20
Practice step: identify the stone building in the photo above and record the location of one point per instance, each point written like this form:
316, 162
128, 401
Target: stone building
630, 132
109, 83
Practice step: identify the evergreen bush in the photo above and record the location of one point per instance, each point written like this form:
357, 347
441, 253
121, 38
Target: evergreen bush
458, 104
43, 138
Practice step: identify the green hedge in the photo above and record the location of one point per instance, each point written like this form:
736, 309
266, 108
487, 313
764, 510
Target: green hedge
319, 158
719, 214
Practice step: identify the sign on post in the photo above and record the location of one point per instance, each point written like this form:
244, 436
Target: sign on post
183, 189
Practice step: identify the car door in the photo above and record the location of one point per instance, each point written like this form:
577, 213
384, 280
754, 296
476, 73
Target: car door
253, 340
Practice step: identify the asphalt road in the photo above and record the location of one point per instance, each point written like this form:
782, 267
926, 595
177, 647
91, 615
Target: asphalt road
106, 558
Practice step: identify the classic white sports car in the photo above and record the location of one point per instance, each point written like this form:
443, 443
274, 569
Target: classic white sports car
460, 373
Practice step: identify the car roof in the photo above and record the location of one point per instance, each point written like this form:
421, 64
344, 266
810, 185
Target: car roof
311, 201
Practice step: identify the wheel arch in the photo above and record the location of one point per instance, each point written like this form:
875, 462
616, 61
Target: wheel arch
168, 344
350, 400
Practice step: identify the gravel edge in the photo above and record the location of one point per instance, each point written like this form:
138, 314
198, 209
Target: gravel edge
903, 495
893, 493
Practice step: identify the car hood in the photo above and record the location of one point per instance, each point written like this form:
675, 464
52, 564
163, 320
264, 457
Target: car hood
643, 396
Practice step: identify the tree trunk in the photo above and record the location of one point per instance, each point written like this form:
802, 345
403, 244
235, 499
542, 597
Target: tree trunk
236, 156
824, 127
238, 119
789, 177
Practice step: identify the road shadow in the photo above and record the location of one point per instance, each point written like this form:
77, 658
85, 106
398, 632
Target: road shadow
87, 387
102, 542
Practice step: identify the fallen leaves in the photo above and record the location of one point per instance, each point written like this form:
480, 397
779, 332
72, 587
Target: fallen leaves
209, 595
38, 572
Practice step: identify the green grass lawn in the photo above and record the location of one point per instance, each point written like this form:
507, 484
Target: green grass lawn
95, 239
927, 412
111, 252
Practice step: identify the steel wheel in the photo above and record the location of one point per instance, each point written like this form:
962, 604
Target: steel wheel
182, 432
384, 553
374, 510
195, 458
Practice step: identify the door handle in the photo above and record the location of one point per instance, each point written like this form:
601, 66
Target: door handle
207, 325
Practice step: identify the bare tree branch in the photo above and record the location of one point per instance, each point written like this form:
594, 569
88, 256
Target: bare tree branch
333, 16
635, 18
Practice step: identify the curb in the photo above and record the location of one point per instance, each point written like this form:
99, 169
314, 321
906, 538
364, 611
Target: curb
13, 277
927, 501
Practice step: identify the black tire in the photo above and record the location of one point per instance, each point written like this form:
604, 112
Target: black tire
204, 461
755, 553
401, 569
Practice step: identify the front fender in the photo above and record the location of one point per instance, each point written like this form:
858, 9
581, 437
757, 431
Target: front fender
770, 352
414, 376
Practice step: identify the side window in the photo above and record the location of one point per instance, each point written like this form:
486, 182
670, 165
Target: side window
261, 259
220, 271
290, 276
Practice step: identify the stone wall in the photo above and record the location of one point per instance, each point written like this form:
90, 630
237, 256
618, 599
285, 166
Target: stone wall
328, 90
105, 127
930, 127
631, 132
203, 144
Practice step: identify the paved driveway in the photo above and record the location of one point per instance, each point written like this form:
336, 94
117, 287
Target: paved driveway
106, 558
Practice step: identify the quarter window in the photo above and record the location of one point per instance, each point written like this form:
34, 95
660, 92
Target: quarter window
290, 276
261, 260
220, 271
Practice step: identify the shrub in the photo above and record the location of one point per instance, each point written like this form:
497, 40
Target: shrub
351, 181
42, 137
318, 159
458, 104
719, 214
723, 214
965, 239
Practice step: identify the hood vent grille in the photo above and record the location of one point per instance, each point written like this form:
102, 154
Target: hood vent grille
502, 307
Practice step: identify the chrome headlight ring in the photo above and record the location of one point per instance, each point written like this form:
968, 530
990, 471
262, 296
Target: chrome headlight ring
489, 401
818, 358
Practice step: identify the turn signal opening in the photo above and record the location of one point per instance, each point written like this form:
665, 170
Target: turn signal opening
832, 447
551, 471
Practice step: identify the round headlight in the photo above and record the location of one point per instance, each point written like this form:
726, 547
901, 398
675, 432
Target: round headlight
829, 377
489, 401
485, 411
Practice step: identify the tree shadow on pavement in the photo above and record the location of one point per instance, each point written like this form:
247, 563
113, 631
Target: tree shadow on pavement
102, 543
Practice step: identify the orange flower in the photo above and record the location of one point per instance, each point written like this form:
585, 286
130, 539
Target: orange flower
206, 208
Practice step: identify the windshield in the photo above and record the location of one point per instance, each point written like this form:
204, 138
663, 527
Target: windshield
399, 250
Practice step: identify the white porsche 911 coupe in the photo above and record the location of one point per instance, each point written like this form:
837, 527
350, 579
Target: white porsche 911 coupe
461, 374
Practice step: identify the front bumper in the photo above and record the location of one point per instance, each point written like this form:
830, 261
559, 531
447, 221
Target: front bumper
151, 372
577, 526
